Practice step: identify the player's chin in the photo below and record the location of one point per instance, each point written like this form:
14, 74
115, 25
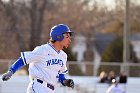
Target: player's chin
65, 47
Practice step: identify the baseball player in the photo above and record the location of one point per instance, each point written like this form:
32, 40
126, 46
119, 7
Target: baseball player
47, 63
115, 88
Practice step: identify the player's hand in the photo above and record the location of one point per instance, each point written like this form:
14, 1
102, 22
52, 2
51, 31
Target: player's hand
6, 76
69, 83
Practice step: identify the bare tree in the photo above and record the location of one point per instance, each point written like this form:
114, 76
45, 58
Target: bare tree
13, 13
36, 15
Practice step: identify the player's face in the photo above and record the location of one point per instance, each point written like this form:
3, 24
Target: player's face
66, 41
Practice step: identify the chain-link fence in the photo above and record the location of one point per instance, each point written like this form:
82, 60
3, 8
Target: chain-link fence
89, 68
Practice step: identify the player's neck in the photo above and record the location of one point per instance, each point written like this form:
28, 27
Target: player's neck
56, 46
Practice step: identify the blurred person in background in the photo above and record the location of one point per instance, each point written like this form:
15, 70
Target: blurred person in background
122, 78
115, 88
111, 76
103, 77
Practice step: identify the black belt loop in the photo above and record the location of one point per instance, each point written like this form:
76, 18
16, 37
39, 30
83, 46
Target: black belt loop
40, 81
48, 85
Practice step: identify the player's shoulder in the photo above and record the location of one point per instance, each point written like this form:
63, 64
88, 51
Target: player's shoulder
42, 48
45, 46
63, 53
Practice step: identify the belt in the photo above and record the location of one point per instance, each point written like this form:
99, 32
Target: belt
48, 85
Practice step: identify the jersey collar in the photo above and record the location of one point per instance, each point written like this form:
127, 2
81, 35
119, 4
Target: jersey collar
53, 48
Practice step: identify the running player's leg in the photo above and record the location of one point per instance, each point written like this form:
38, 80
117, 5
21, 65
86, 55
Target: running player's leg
36, 87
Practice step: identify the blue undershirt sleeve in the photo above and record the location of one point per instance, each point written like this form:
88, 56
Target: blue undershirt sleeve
17, 65
62, 78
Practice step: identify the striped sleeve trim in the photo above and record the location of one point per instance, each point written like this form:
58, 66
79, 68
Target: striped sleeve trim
64, 72
23, 57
